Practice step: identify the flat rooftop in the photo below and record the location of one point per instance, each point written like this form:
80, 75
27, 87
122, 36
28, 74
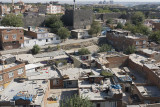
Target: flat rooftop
44, 73
97, 91
10, 27
31, 87
149, 91
149, 51
3, 67
139, 59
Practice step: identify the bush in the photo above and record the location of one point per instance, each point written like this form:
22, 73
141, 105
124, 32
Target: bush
130, 50
105, 48
75, 101
83, 51
36, 49
106, 74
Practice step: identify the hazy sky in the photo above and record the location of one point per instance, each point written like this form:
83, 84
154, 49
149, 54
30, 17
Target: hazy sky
82, 0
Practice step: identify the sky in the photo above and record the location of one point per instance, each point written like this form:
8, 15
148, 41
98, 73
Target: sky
70, 1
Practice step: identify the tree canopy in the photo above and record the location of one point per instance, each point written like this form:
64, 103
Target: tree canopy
63, 33
83, 51
137, 29
95, 28
36, 49
75, 101
12, 20
155, 36
105, 48
54, 23
137, 18
130, 50
119, 26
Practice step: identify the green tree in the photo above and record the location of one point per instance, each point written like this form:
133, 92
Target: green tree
137, 18
109, 21
105, 48
63, 33
119, 26
130, 50
36, 49
95, 28
54, 23
75, 101
83, 51
12, 20
155, 36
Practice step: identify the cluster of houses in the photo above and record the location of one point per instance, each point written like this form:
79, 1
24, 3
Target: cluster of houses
21, 8
107, 79
18, 37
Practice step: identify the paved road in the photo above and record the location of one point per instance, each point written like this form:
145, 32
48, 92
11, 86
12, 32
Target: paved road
69, 41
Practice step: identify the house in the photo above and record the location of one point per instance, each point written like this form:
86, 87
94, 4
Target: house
11, 37
4, 10
80, 33
39, 36
10, 69
121, 40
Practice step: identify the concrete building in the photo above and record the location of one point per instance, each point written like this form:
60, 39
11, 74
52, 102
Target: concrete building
9, 70
121, 39
78, 19
54, 9
39, 36
11, 37
4, 10
80, 33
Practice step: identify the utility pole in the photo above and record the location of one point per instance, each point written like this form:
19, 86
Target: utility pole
74, 4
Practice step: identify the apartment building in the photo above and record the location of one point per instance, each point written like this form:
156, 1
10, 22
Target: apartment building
11, 37
54, 9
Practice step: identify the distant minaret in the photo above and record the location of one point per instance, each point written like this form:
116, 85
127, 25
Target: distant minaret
74, 4
111, 1
12, 2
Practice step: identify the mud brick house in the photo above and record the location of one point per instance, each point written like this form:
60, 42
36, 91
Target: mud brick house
121, 39
9, 70
11, 37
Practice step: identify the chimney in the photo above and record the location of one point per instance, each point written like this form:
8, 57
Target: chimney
29, 28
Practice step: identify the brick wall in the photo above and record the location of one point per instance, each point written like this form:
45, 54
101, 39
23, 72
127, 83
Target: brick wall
11, 43
121, 43
14, 69
117, 61
59, 85
31, 34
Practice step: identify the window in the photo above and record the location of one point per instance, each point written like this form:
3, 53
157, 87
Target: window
14, 36
55, 82
20, 31
46, 40
21, 37
57, 38
6, 37
51, 38
1, 77
1, 88
20, 71
8, 30
27, 41
69, 83
137, 43
144, 42
10, 74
